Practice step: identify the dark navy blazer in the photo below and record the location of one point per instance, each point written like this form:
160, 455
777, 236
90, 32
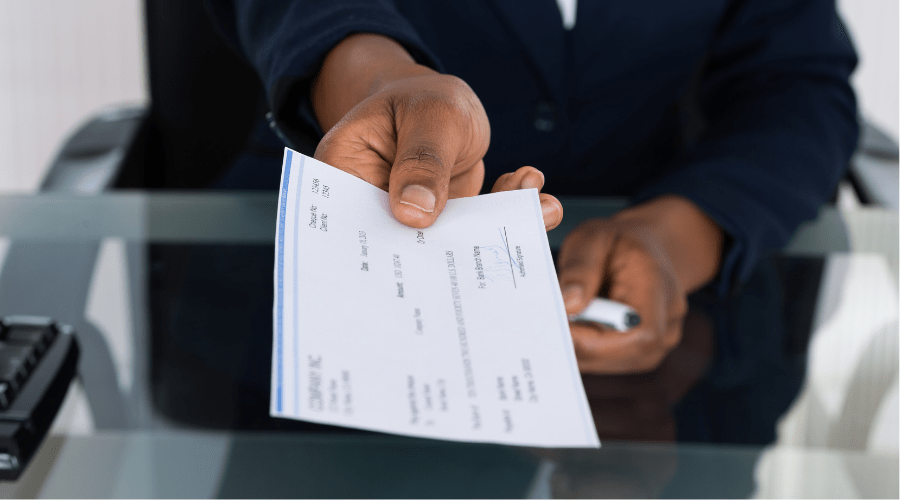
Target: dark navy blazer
742, 106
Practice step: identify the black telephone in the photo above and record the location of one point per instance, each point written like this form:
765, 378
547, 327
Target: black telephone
38, 358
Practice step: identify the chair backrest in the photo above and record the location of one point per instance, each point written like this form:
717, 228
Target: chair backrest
204, 99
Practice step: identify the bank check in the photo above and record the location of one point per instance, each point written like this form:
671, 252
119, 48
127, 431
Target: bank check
456, 331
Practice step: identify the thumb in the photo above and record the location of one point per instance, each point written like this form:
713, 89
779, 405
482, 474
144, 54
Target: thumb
442, 134
436, 146
419, 182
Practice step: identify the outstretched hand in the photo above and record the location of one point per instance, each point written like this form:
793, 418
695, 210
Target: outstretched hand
421, 138
407, 129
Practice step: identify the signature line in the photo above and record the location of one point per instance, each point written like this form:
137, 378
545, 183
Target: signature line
506, 240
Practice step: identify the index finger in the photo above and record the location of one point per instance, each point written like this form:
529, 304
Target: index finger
583, 264
636, 281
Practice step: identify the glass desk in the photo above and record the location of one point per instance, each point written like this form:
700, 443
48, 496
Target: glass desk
137, 464
185, 413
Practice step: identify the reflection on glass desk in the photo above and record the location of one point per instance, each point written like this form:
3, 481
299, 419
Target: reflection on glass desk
203, 465
188, 414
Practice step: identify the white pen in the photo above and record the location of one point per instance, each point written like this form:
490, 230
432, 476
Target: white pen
609, 313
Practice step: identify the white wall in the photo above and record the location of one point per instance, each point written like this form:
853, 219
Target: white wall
873, 26
61, 60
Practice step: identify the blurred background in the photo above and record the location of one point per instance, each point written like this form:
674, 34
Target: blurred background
62, 61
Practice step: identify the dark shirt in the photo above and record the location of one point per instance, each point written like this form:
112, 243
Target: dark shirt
744, 107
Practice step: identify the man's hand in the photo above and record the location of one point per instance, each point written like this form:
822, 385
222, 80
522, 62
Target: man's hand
403, 127
649, 257
407, 129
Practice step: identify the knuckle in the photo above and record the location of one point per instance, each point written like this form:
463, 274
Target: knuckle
503, 180
448, 97
576, 268
424, 168
460, 94
575, 241
462, 102
590, 227
420, 156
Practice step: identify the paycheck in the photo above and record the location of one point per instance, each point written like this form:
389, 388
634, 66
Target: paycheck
456, 331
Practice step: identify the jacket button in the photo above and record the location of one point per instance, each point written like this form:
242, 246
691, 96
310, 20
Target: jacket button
545, 116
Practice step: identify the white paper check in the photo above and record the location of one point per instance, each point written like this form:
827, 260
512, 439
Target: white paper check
457, 331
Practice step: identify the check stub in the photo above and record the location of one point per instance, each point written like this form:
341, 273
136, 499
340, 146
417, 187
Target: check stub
456, 331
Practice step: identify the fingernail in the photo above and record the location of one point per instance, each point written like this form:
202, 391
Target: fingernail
546, 211
572, 295
419, 197
533, 181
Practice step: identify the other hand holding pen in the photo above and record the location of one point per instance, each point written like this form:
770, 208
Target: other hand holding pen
648, 257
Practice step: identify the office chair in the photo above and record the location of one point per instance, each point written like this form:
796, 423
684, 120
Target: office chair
192, 129
873, 169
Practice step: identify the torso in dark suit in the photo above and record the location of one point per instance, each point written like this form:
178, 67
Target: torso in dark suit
744, 107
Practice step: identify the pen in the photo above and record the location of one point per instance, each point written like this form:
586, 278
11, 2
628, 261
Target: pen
609, 313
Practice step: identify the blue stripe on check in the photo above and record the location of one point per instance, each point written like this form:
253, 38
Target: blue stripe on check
279, 308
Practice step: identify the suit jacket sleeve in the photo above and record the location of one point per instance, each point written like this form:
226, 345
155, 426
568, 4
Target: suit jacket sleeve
780, 126
286, 41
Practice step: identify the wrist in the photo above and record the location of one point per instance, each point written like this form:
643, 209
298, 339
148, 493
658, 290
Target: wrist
692, 241
355, 69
